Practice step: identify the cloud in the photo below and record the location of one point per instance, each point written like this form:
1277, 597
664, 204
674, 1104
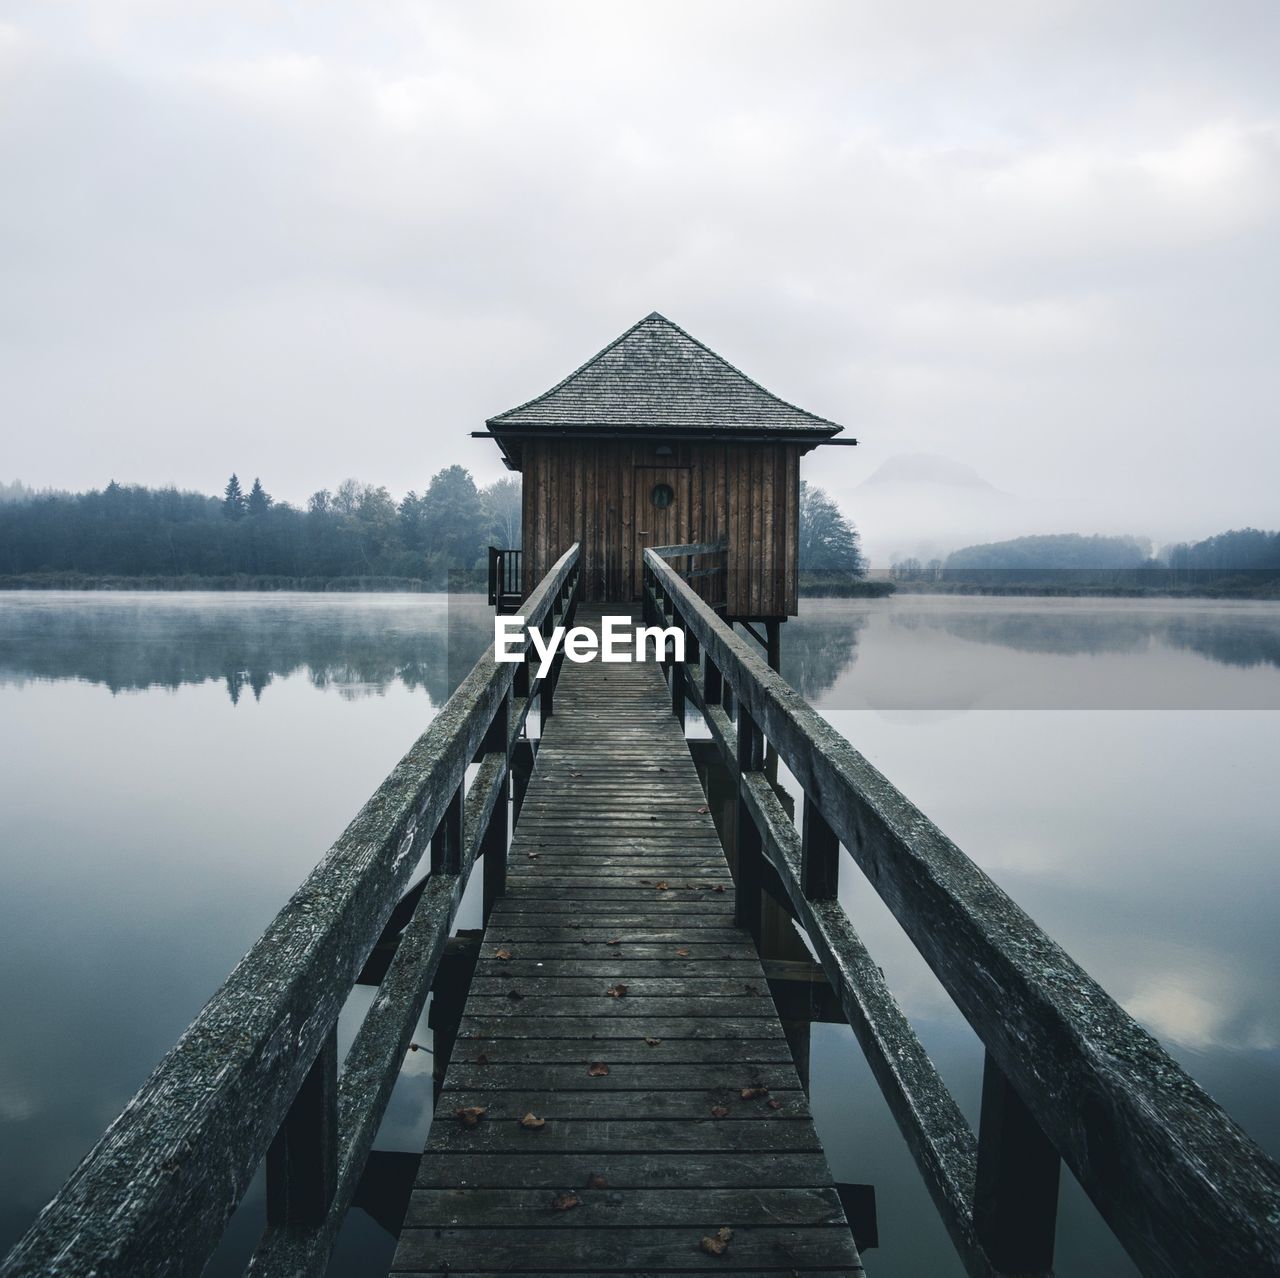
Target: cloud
314, 243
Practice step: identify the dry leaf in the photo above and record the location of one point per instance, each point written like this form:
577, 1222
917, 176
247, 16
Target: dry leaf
504, 955
653, 1042
719, 1244
565, 1202
597, 1069
532, 1122
617, 940
682, 952
662, 886
751, 989
597, 1181
703, 810
470, 1115
753, 1093
719, 887
719, 1111
775, 1103
616, 991
575, 774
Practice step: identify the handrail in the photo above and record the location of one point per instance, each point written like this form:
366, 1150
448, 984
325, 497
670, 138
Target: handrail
1069, 1074
255, 1074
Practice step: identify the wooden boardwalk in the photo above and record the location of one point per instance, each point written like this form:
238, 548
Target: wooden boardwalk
616, 1003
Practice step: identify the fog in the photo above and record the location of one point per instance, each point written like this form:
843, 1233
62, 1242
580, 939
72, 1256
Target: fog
315, 241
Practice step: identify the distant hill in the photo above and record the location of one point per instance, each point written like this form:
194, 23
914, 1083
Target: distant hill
1055, 551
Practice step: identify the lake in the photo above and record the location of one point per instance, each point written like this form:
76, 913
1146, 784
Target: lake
172, 765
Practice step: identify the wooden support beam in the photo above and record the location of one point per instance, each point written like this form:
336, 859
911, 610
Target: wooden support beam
302, 1161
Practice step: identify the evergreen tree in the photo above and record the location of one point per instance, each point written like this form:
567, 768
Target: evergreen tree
233, 500
259, 498
828, 541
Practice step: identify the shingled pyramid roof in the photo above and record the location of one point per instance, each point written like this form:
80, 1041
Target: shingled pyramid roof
657, 378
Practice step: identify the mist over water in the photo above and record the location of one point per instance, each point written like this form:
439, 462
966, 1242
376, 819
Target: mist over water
172, 766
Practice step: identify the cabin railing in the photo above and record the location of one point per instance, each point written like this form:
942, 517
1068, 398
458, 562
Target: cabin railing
706, 569
506, 578
255, 1077
1069, 1076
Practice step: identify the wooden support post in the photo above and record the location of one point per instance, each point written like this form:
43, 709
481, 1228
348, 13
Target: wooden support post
302, 1160
1015, 1206
446, 842
749, 848
493, 843
677, 669
820, 854
712, 681
773, 646
547, 690
521, 771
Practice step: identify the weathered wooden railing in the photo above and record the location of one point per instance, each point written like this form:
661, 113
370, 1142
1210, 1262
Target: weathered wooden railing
1069, 1075
506, 578
256, 1074
706, 569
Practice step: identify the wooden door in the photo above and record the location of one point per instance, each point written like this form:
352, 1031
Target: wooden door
661, 512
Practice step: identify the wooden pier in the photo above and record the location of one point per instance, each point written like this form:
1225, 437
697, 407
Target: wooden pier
604, 1108
616, 1001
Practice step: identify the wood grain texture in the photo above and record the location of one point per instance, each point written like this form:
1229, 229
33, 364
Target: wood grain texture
642, 1087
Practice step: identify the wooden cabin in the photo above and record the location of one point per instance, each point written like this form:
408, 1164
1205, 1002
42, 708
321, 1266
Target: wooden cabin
658, 441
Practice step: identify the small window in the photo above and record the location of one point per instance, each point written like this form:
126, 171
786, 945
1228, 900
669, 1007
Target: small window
662, 496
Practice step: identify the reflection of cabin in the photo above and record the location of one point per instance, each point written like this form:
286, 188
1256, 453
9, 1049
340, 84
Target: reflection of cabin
657, 441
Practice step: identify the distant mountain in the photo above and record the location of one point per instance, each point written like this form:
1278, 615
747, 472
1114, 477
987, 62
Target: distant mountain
924, 505
915, 469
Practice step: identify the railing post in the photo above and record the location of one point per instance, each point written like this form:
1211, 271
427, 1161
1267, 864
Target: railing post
521, 771
712, 682
819, 854
677, 669
748, 847
302, 1160
446, 841
547, 688
1015, 1205
493, 843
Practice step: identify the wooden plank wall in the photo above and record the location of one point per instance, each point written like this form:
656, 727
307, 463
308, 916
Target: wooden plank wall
577, 490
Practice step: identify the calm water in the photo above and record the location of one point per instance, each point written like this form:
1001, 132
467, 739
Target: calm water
171, 766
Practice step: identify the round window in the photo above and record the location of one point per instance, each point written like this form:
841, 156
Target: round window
662, 496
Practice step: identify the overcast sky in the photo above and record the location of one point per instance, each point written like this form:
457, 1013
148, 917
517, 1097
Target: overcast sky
309, 241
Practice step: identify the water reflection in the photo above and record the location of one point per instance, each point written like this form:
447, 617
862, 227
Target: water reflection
355, 645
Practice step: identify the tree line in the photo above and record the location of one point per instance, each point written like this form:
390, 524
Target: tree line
355, 531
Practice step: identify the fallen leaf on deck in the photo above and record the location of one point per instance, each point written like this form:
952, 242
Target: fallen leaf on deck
719, 887
597, 1181
719, 1244
565, 1202
597, 1069
504, 955
752, 989
775, 1103
703, 810
662, 886
753, 1093
532, 1122
719, 1111
616, 991
682, 952
653, 1042
575, 774
470, 1115
617, 940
